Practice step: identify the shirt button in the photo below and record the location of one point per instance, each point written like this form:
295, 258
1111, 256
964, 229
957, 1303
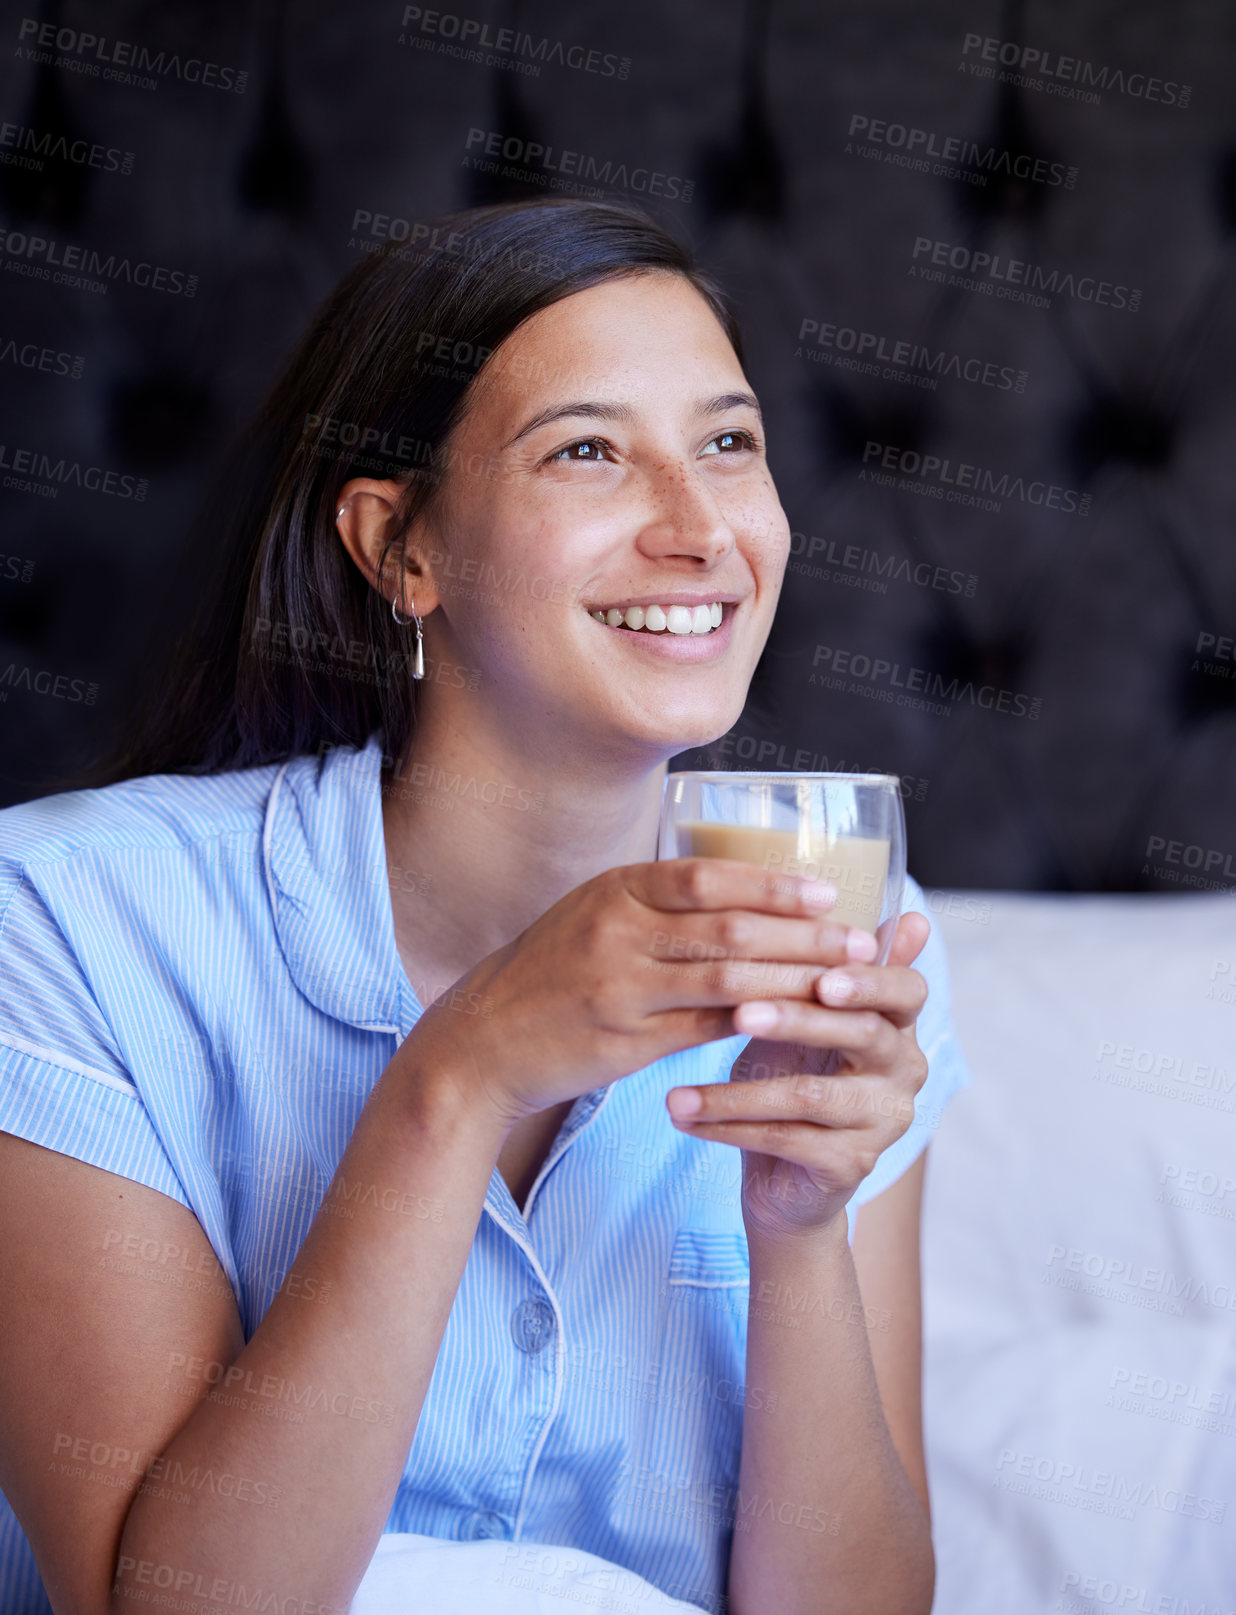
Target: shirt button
532, 1324
483, 1525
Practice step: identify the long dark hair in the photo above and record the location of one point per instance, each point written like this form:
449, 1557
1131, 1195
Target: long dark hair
291, 650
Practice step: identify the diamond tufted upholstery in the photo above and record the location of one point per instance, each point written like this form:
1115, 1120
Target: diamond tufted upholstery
1033, 670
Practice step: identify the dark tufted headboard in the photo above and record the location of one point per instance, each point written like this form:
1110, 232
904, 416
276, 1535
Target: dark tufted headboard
983, 261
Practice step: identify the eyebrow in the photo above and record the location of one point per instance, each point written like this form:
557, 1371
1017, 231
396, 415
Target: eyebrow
599, 410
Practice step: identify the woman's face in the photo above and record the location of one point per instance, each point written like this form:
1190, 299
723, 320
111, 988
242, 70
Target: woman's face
611, 460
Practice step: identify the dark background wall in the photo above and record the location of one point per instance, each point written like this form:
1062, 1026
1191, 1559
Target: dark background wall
983, 260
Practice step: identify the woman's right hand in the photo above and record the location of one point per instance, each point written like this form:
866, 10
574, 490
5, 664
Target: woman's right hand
634, 964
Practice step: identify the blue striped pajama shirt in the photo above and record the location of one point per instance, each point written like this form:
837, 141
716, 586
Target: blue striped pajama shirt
199, 986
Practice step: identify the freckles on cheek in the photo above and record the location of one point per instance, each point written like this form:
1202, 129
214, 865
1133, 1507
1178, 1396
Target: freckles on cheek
767, 537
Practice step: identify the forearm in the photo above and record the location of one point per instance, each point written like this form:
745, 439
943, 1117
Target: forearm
826, 1518
315, 1417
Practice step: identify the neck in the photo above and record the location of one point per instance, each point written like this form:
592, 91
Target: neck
482, 837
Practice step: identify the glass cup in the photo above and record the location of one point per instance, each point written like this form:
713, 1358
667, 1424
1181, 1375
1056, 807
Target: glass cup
848, 829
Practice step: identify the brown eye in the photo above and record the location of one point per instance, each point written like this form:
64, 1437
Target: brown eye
730, 442
581, 452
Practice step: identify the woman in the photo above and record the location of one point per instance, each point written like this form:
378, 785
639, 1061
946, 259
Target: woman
371, 1159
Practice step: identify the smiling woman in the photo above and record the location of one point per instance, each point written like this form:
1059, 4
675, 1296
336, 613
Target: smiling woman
427, 376
340, 1207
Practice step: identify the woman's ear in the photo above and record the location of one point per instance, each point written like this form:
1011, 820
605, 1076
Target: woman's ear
366, 517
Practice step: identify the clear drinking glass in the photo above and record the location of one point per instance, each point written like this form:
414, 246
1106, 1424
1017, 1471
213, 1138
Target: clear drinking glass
845, 828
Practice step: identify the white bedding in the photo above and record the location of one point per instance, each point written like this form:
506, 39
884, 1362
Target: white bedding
1082, 1440
420, 1575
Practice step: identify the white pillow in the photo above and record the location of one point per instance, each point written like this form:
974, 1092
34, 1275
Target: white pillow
422, 1575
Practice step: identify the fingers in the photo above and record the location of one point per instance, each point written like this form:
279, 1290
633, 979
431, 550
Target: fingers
718, 883
758, 945
866, 1032
910, 938
734, 933
812, 1101
746, 958
805, 1120
896, 992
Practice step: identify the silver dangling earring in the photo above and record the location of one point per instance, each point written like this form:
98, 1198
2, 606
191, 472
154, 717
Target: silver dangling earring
418, 655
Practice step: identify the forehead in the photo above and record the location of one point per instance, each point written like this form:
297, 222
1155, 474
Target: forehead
650, 334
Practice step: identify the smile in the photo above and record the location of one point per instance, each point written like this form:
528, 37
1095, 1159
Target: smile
700, 619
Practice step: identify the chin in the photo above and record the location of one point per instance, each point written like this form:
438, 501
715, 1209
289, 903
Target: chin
689, 733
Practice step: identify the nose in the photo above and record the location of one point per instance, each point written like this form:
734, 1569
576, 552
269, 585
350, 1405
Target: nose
685, 519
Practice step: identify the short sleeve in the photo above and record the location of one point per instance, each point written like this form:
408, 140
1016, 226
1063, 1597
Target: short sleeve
947, 1070
63, 1083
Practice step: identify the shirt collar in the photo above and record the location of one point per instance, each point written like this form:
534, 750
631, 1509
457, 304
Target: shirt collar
324, 856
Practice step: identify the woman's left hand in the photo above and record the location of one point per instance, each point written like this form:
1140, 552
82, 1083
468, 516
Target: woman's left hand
811, 1124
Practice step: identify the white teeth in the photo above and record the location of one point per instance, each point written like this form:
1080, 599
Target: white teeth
657, 619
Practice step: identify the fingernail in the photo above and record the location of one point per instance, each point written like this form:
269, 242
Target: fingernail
757, 1018
861, 945
837, 986
819, 894
684, 1102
